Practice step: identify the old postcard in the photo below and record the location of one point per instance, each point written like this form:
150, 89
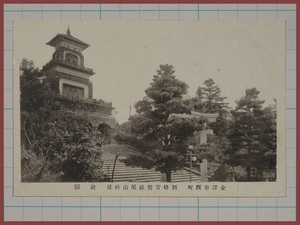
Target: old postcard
149, 108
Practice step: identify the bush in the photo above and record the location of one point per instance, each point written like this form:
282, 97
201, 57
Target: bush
56, 143
139, 143
61, 149
81, 164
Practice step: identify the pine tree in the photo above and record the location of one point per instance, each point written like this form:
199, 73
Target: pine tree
167, 137
209, 99
252, 136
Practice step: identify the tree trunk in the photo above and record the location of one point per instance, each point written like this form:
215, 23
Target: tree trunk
248, 169
168, 175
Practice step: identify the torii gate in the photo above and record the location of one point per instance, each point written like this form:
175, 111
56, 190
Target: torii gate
202, 135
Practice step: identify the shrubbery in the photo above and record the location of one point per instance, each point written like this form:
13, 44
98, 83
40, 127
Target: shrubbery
56, 142
60, 150
134, 141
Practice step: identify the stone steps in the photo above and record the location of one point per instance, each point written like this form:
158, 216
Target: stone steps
125, 173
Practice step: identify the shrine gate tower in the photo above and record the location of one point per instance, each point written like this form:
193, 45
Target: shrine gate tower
72, 81
68, 65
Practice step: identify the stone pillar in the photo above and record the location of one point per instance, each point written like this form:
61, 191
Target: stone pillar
203, 170
203, 135
203, 166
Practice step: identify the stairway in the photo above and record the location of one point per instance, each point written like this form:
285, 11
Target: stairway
125, 173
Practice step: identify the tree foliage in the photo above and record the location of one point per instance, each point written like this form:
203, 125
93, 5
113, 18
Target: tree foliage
208, 98
56, 143
166, 136
253, 136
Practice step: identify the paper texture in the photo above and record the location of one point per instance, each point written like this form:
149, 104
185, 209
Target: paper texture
125, 55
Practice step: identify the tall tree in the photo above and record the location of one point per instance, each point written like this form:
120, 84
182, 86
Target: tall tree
167, 136
252, 136
209, 99
37, 90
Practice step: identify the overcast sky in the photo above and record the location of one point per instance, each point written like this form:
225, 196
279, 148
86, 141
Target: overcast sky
125, 55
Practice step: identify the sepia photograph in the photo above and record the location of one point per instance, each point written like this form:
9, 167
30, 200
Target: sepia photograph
139, 108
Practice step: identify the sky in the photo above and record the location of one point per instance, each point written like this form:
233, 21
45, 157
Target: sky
126, 54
